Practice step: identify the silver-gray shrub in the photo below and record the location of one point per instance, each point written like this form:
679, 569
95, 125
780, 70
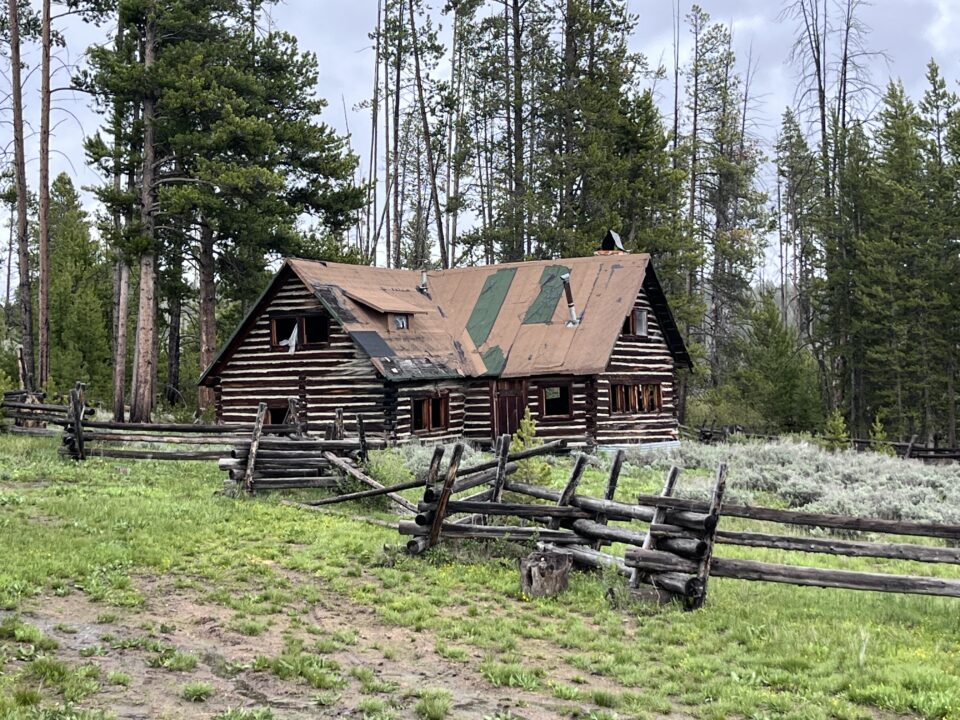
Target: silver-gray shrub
805, 476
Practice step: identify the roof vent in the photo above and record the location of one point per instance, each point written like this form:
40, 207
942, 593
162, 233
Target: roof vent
422, 287
574, 319
611, 245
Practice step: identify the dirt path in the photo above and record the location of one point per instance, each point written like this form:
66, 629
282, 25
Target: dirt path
403, 662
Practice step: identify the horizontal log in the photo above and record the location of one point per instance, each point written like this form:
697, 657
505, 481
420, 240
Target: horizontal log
676, 583
893, 551
521, 510
40, 432
262, 484
484, 532
98, 436
796, 517
261, 473
659, 561
153, 454
685, 547
830, 578
42, 407
588, 557
611, 509
38, 417
187, 428
545, 449
418, 544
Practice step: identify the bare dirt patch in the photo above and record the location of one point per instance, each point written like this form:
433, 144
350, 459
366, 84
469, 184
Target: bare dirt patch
403, 661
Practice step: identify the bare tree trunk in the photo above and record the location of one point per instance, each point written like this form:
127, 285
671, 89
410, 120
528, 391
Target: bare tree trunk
20, 178
43, 245
397, 70
208, 309
13, 222
175, 311
141, 395
121, 312
451, 125
519, 188
370, 250
952, 401
431, 166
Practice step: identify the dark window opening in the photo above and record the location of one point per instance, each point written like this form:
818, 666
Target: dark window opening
276, 414
430, 413
629, 399
283, 331
316, 329
421, 414
401, 322
557, 401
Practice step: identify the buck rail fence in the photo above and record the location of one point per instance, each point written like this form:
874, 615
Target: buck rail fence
672, 556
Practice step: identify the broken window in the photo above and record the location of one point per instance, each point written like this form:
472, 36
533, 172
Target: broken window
282, 331
401, 322
316, 329
628, 399
556, 401
430, 413
276, 414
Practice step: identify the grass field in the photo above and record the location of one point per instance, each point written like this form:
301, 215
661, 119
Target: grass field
134, 590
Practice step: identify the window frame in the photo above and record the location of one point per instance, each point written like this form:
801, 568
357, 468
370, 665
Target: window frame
636, 324
394, 319
431, 424
300, 318
635, 397
543, 400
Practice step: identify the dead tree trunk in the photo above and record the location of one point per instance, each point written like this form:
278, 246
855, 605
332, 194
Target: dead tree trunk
425, 121
43, 244
121, 312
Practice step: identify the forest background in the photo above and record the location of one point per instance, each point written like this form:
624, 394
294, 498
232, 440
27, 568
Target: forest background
810, 250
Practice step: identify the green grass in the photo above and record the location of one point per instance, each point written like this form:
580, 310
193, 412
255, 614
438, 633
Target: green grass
433, 704
757, 650
196, 691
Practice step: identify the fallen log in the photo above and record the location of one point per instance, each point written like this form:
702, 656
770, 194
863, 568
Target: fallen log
152, 454
355, 473
95, 436
292, 483
411, 484
522, 510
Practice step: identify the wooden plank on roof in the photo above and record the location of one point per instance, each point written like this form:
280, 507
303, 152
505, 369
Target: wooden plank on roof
381, 300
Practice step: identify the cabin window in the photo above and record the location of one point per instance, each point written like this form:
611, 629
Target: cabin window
635, 324
316, 329
630, 399
282, 330
430, 413
401, 322
311, 330
276, 414
556, 401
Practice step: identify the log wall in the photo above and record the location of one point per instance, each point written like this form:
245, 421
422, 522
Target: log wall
643, 360
337, 375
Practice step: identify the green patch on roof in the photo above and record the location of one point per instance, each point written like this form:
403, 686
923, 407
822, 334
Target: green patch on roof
494, 360
488, 305
545, 304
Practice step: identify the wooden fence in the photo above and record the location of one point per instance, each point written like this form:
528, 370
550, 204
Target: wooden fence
673, 553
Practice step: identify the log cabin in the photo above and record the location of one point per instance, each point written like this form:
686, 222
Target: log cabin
588, 344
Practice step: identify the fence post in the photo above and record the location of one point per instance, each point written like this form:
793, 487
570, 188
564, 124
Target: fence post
611, 488
338, 425
76, 410
362, 455
716, 504
571, 487
254, 447
437, 525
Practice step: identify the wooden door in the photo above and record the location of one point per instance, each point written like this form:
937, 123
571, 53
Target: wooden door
509, 402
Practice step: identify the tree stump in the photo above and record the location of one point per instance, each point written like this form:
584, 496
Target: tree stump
545, 573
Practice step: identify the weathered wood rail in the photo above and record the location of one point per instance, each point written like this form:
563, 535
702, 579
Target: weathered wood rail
674, 553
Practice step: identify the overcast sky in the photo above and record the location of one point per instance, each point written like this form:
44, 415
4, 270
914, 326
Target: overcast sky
910, 32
